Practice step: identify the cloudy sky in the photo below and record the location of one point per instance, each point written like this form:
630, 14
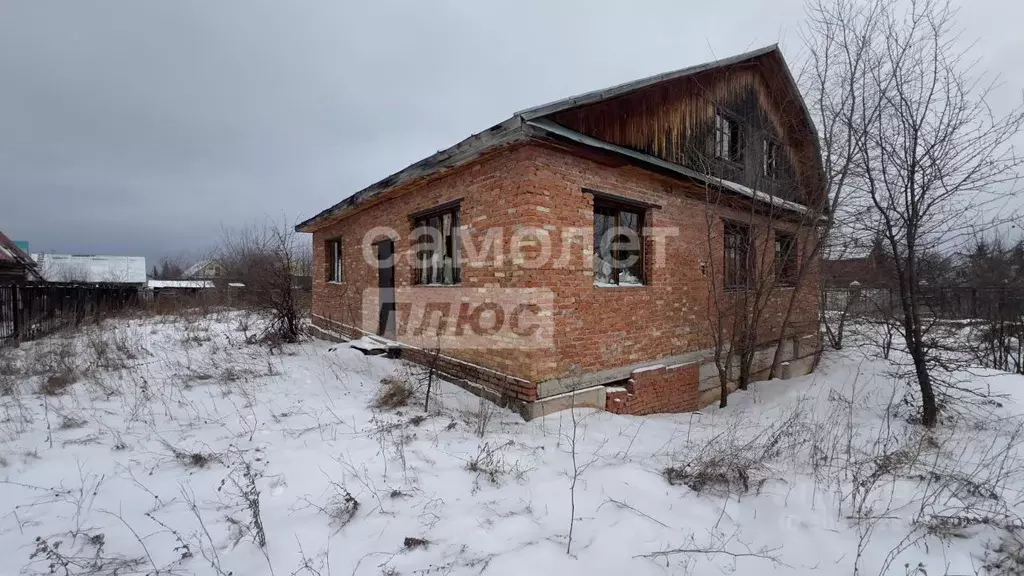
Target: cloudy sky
137, 127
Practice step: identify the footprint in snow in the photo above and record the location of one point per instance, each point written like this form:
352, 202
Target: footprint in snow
278, 486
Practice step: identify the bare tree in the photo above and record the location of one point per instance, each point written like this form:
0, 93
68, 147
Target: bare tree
268, 257
837, 57
760, 252
930, 161
170, 269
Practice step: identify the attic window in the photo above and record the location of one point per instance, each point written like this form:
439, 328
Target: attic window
770, 159
727, 138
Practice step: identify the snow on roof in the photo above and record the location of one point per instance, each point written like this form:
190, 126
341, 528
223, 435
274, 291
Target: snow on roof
195, 268
179, 284
198, 267
89, 268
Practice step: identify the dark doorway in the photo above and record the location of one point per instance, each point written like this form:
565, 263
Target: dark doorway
386, 283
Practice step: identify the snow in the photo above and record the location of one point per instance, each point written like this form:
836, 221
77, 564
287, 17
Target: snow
179, 284
649, 368
488, 492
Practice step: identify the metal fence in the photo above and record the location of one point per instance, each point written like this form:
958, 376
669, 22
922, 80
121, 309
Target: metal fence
946, 303
33, 310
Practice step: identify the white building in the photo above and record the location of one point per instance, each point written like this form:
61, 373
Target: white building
92, 269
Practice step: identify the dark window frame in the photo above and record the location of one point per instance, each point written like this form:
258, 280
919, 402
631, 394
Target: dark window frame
728, 137
429, 268
770, 158
786, 259
739, 266
613, 209
334, 251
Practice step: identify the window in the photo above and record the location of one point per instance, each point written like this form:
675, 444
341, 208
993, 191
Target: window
727, 138
216, 270
770, 159
437, 247
785, 259
739, 261
618, 244
334, 268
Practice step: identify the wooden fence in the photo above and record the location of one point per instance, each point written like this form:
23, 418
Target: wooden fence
946, 303
33, 310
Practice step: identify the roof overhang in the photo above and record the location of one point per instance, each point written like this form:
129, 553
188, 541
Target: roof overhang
549, 128
469, 149
518, 127
628, 87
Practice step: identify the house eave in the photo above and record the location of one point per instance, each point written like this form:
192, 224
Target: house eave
547, 127
465, 151
627, 87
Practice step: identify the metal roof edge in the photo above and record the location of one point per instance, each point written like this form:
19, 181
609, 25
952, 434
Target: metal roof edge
626, 87
559, 130
464, 150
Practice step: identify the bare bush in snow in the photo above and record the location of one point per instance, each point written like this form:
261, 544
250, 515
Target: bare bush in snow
490, 462
735, 460
393, 393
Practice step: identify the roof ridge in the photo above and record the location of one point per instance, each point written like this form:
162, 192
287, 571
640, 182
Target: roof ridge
630, 86
511, 129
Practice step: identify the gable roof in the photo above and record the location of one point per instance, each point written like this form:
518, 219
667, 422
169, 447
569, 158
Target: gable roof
627, 87
12, 254
197, 268
526, 123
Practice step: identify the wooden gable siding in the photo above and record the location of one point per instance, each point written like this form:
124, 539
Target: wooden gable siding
675, 121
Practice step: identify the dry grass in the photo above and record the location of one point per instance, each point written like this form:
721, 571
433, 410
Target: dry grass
393, 393
57, 384
191, 458
736, 460
490, 463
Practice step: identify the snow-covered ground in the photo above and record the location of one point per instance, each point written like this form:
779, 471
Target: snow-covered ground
165, 443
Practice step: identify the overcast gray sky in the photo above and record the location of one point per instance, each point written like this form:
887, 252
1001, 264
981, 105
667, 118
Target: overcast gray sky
136, 127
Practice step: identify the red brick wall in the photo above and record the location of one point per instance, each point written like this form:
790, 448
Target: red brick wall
599, 327
491, 197
657, 390
595, 328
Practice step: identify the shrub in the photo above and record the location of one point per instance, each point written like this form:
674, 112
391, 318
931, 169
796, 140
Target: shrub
57, 384
393, 393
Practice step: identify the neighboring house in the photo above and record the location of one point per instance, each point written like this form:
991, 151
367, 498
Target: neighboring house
15, 264
204, 270
868, 267
844, 272
632, 339
92, 269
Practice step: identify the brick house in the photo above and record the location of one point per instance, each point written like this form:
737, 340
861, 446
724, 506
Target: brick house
694, 170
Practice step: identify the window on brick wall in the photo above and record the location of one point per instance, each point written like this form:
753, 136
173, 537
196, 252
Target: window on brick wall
437, 247
618, 244
739, 256
785, 259
333, 251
